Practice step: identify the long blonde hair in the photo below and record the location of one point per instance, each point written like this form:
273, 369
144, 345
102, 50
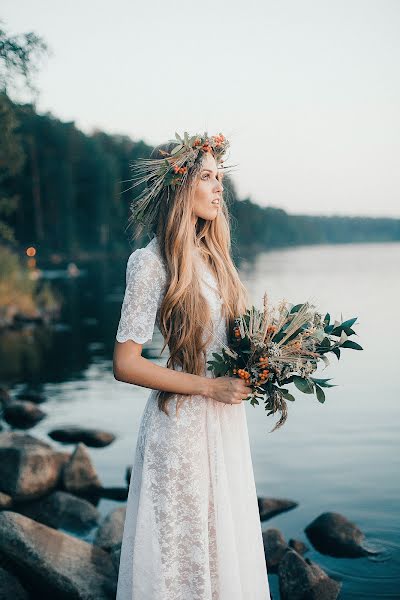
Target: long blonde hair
183, 300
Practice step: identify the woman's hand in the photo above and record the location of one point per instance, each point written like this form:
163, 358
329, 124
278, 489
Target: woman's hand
230, 390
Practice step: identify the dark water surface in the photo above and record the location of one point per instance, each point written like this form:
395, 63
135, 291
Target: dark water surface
341, 456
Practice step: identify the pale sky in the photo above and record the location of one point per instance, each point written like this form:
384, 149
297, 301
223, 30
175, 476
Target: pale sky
307, 91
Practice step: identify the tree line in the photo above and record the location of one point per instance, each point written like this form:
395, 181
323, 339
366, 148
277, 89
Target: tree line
68, 193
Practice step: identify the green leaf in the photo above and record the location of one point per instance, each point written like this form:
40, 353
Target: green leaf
323, 382
336, 351
296, 308
320, 394
350, 344
287, 395
329, 328
349, 322
303, 385
349, 331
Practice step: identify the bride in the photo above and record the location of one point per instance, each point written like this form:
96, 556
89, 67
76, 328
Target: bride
192, 528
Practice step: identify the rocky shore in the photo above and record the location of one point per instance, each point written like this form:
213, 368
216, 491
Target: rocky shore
48, 501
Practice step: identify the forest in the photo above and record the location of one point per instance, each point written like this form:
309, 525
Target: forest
67, 194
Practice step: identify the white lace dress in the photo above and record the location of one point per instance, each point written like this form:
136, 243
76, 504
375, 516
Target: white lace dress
192, 528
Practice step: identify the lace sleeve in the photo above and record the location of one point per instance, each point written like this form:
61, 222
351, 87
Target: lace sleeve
145, 280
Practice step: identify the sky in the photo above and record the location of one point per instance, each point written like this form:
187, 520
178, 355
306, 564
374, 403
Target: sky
306, 91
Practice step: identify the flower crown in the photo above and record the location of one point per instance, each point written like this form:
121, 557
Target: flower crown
170, 171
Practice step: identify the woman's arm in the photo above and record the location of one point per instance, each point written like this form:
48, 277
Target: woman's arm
130, 366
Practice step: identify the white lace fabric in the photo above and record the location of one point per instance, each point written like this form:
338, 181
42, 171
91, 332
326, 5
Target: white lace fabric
192, 529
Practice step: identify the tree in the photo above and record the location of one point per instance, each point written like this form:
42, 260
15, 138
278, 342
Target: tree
18, 62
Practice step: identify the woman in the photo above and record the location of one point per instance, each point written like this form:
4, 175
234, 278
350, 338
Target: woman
192, 529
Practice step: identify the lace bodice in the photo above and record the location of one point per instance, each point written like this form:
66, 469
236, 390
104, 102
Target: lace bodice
146, 278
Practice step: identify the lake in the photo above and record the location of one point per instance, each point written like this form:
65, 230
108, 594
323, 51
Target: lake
340, 456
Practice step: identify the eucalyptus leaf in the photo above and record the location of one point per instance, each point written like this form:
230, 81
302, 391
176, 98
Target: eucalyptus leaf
320, 394
325, 359
303, 385
288, 396
323, 382
296, 308
350, 344
349, 322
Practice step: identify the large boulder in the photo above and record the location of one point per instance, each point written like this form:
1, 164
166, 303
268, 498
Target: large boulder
5, 501
274, 548
55, 564
269, 507
10, 587
29, 468
79, 475
331, 533
302, 579
22, 413
95, 438
62, 510
110, 532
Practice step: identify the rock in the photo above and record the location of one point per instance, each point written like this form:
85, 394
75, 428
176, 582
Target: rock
301, 579
94, 438
331, 533
62, 510
56, 564
5, 501
23, 414
4, 395
10, 587
114, 493
32, 396
298, 545
128, 474
29, 468
110, 532
274, 548
79, 475
116, 556
269, 507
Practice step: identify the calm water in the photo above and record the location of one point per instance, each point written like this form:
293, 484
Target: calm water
341, 456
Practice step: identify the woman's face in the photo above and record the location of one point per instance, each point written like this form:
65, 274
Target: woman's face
208, 193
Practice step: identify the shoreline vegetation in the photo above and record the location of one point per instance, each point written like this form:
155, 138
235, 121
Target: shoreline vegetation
23, 296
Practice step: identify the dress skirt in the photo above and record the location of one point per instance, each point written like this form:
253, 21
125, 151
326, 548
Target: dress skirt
192, 528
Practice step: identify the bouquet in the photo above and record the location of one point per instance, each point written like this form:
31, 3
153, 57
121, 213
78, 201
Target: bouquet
281, 345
